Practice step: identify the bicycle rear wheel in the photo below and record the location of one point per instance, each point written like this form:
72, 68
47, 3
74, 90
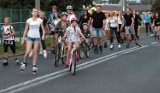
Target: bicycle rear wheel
57, 51
63, 56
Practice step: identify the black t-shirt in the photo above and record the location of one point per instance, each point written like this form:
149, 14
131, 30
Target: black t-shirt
44, 24
157, 20
98, 19
83, 20
128, 19
86, 33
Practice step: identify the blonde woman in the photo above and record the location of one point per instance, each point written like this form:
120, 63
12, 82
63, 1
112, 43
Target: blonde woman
32, 37
114, 28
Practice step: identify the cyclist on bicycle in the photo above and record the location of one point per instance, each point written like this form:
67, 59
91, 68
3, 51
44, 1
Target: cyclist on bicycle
86, 33
64, 23
72, 35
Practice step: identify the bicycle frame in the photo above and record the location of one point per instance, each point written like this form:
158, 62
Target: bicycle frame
71, 54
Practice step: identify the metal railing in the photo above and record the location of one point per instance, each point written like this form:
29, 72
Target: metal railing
18, 27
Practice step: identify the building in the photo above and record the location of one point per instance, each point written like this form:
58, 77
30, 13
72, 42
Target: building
134, 4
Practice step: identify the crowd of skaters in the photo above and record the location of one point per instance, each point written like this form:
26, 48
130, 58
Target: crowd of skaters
96, 28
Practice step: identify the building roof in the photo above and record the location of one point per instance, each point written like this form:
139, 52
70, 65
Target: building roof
134, 7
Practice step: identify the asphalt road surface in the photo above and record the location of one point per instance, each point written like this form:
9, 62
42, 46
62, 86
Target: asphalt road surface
133, 70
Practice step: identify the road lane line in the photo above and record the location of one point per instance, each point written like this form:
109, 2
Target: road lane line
52, 74
48, 77
154, 43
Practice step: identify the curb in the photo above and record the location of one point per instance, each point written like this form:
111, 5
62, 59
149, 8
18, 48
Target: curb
19, 54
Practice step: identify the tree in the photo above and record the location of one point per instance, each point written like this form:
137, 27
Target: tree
45, 4
77, 4
156, 6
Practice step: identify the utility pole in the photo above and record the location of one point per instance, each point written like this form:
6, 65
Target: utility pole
37, 4
123, 6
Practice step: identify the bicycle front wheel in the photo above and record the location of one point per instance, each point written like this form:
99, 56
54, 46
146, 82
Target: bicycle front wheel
74, 63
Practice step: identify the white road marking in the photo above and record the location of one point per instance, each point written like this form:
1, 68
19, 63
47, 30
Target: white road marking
154, 43
51, 76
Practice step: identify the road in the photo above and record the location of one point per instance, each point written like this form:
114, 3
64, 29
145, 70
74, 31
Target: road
133, 70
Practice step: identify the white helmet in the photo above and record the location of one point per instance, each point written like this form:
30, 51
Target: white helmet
69, 7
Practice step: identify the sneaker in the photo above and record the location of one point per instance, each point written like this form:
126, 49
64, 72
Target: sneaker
152, 35
34, 69
105, 45
41, 52
45, 54
30, 54
111, 46
119, 46
17, 61
158, 37
23, 66
137, 44
5, 62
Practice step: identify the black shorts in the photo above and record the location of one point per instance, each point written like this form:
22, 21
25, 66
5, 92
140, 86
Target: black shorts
123, 29
52, 33
11, 44
139, 24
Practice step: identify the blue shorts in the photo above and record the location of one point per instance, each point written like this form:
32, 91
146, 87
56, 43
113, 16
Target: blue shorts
97, 32
29, 39
88, 40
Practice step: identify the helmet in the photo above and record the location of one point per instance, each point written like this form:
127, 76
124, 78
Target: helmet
74, 19
69, 7
63, 13
85, 24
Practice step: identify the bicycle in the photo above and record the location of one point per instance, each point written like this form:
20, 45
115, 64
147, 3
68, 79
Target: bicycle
84, 50
59, 49
73, 60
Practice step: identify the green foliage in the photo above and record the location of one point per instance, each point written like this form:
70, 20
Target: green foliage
156, 6
45, 4
77, 4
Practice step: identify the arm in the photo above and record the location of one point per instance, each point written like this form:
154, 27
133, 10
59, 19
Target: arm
132, 22
42, 26
51, 26
25, 33
65, 34
81, 34
3, 35
80, 20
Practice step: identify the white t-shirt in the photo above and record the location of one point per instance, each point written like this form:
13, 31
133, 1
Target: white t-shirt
56, 21
34, 28
113, 22
119, 20
7, 31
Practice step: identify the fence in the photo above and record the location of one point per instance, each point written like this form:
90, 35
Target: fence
18, 18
